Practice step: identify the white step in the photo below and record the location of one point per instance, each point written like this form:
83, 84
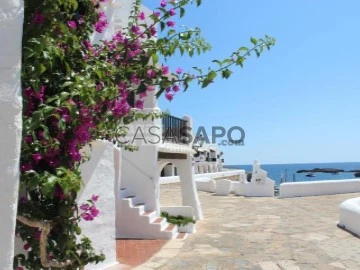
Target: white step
170, 231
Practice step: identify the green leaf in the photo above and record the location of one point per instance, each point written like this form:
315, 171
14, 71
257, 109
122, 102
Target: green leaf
226, 73
253, 41
182, 12
162, 26
239, 61
217, 62
212, 75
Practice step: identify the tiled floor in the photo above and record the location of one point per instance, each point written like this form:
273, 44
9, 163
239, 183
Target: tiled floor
134, 252
261, 233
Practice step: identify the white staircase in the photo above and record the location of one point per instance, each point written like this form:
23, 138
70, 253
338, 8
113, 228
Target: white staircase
141, 223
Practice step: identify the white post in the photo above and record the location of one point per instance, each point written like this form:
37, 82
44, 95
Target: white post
11, 24
188, 187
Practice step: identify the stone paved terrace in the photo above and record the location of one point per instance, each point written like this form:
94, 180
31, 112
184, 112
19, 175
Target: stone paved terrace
261, 233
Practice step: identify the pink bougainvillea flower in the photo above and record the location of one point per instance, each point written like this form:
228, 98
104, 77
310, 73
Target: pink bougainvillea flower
27, 246
38, 18
170, 23
143, 94
141, 16
28, 139
84, 207
169, 96
102, 23
40, 134
94, 211
153, 31
179, 70
175, 88
72, 24
139, 104
150, 88
87, 217
134, 79
150, 73
25, 167
94, 198
165, 70
59, 193
135, 29
172, 12
36, 157
157, 14
163, 3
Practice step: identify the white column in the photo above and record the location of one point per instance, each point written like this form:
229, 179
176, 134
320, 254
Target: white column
188, 187
11, 24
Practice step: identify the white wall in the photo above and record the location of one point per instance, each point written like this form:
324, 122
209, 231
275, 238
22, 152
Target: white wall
350, 215
101, 177
264, 188
169, 180
219, 174
315, 188
11, 20
139, 175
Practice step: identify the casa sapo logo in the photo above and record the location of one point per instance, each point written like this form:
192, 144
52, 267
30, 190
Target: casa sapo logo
142, 134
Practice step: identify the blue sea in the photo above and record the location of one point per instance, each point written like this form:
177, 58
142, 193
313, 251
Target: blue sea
287, 172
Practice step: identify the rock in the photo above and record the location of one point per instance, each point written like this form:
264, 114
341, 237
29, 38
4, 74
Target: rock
323, 170
357, 174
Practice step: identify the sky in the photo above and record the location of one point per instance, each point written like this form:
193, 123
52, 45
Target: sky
299, 102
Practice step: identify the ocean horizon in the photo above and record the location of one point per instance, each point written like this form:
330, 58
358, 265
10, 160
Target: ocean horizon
288, 172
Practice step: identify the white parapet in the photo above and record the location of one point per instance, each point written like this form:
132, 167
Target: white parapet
316, 188
256, 189
350, 215
169, 179
220, 174
205, 184
223, 187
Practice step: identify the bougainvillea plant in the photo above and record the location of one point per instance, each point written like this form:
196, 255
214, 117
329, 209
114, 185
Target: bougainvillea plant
76, 91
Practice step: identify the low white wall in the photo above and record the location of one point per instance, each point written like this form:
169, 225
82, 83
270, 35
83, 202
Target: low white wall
222, 187
11, 25
219, 174
315, 188
256, 189
350, 215
205, 184
169, 180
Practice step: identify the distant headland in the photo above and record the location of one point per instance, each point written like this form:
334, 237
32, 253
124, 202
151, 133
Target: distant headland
329, 170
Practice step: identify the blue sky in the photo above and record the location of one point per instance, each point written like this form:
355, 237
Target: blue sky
297, 103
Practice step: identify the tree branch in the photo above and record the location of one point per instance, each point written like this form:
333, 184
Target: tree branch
45, 230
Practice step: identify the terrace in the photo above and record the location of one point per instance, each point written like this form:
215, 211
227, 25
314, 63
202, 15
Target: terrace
267, 233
